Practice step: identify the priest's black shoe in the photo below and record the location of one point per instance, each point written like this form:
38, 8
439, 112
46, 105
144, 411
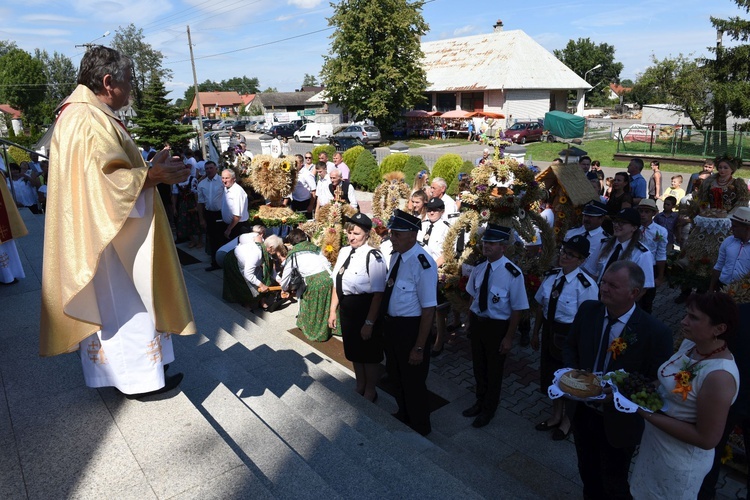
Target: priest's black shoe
170, 383
482, 420
473, 411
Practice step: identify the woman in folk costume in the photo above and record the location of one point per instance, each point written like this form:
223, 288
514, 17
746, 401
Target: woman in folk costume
11, 227
106, 236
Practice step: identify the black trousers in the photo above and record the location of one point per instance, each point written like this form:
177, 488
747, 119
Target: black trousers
603, 468
708, 488
301, 206
486, 335
239, 229
215, 228
410, 381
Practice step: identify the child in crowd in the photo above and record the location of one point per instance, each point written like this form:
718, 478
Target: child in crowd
668, 219
608, 187
676, 188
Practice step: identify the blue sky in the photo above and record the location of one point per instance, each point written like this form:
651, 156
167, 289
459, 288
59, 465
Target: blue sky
278, 41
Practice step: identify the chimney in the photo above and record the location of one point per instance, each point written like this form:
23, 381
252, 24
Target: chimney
498, 25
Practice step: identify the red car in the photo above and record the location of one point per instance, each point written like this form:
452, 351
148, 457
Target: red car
520, 132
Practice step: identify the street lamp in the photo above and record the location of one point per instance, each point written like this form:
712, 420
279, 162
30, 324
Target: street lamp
589, 71
91, 43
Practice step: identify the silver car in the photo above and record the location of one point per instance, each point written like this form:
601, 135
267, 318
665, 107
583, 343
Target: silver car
368, 134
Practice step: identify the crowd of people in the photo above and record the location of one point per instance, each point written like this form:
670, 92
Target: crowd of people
105, 288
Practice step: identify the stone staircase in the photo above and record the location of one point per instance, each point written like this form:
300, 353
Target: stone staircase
260, 414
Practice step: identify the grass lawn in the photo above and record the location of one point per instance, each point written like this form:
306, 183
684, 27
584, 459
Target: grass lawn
602, 150
422, 142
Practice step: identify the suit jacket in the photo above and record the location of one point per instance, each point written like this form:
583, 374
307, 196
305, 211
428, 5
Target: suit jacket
649, 345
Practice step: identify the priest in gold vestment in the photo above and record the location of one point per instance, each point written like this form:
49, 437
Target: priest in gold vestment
112, 287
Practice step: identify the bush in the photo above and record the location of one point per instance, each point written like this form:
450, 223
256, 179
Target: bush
393, 163
414, 165
466, 168
350, 157
327, 148
18, 155
365, 175
447, 167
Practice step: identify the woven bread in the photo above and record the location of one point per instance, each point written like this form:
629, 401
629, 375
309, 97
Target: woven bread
580, 383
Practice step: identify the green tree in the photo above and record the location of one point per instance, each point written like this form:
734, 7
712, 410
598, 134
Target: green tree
6, 46
350, 156
147, 60
269, 90
627, 83
156, 118
61, 81
393, 163
447, 167
241, 85
373, 69
414, 165
23, 83
680, 81
309, 81
366, 173
582, 55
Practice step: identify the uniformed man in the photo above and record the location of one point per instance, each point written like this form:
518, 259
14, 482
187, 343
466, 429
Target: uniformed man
434, 228
563, 290
498, 297
593, 216
734, 253
626, 245
409, 303
655, 238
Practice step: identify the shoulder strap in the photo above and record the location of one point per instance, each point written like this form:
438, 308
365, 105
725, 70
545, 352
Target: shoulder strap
512, 269
584, 281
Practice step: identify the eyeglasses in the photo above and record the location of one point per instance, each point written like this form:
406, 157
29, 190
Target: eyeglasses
308, 157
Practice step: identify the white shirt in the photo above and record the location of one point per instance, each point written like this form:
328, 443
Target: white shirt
450, 206
573, 294
190, 181
434, 245
640, 255
211, 193
325, 196
655, 238
305, 185
505, 292
193, 165
308, 263
200, 168
549, 215
357, 278
615, 331
235, 203
415, 286
596, 239
733, 261
250, 259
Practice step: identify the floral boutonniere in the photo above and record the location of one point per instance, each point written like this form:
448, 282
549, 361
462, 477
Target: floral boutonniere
618, 346
659, 237
684, 379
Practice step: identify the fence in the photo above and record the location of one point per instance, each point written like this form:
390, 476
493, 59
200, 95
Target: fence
665, 140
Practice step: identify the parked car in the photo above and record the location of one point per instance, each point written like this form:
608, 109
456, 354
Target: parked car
223, 125
208, 124
368, 134
309, 131
282, 130
342, 143
241, 125
522, 132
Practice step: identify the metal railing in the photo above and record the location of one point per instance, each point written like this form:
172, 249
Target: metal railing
666, 140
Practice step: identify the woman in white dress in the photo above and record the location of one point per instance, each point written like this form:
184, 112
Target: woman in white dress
698, 384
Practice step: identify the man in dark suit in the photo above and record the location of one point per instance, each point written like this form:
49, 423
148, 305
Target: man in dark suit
605, 438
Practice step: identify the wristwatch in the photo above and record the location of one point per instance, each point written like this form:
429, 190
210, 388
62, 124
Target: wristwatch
369, 323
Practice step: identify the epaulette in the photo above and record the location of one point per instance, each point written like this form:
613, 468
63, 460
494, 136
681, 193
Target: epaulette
512, 269
552, 271
454, 215
584, 281
423, 260
642, 247
377, 254
606, 234
447, 223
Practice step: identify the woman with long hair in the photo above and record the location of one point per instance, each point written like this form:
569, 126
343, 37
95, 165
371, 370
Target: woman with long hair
699, 383
625, 244
418, 200
620, 196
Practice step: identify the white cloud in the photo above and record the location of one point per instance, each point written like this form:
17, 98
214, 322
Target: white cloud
305, 4
465, 30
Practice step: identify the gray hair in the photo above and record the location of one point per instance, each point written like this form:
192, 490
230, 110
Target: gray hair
636, 277
231, 173
101, 61
259, 229
441, 182
334, 170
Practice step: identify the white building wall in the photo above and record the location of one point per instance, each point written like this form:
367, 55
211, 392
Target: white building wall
526, 104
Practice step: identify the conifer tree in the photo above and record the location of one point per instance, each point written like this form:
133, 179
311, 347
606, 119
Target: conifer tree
157, 118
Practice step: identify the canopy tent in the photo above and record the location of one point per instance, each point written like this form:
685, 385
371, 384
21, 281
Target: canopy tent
420, 113
488, 114
564, 125
458, 113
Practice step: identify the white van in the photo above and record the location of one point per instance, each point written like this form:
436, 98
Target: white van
311, 130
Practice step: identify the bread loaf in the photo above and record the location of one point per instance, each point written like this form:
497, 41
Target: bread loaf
580, 383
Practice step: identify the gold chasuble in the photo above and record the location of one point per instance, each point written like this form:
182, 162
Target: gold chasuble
96, 175
11, 224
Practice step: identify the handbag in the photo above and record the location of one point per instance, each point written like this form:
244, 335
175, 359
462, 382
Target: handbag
296, 281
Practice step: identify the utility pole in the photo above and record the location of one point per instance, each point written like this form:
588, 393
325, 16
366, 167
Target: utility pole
201, 137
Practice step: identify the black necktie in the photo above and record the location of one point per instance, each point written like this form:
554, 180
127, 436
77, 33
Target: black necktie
586, 235
340, 275
614, 256
389, 285
552, 306
604, 345
483, 289
426, 236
